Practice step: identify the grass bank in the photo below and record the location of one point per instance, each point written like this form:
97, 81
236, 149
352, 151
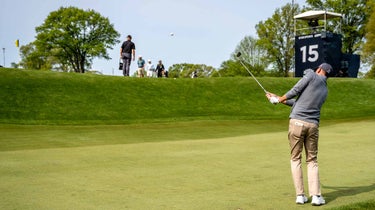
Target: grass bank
71, 141
37, 97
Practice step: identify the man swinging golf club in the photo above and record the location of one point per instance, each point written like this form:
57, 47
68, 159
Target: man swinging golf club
311, 91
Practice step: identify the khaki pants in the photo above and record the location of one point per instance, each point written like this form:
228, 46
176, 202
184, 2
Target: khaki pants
303, 134
141, 72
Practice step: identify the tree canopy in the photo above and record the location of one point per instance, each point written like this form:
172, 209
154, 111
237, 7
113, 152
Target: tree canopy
252, 55
251, 52
276, 36
32, 59
185, 70
356, 14
369, 47
75, 36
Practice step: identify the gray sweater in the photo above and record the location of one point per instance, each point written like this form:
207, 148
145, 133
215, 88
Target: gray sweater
312, 93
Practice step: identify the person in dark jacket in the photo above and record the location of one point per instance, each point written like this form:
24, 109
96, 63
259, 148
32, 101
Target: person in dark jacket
160, 69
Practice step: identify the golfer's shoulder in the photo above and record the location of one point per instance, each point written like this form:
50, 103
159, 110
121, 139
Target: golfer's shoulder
308, 73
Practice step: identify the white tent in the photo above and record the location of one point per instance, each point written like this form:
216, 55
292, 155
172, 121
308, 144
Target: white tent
316, 15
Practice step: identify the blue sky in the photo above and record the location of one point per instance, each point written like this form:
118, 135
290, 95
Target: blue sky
205, 31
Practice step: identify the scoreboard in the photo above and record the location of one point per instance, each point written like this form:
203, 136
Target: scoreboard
313, 49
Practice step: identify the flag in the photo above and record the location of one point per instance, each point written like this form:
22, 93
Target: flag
17, 43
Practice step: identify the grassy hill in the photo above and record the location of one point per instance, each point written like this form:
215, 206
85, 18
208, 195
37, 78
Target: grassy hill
221, 144
38, 97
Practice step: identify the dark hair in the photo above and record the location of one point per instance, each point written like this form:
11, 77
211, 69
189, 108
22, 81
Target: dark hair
129, 36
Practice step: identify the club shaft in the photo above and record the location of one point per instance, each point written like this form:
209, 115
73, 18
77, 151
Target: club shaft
253, 76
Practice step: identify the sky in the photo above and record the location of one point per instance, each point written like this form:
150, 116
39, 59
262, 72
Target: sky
205, 31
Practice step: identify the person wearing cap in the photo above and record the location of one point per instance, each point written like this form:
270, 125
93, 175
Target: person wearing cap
311, 92
150, 68
127, 52
141, 66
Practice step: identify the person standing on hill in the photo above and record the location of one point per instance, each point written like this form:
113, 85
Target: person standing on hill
311, 91
127, 53
160, 69
141, 66
150, 68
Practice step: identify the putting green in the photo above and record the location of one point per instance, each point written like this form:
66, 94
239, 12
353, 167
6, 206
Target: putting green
243, 172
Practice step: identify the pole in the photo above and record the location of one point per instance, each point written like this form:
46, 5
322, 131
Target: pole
4, 55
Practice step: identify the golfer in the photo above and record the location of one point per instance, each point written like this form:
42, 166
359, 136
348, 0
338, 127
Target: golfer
127, 52
311, 92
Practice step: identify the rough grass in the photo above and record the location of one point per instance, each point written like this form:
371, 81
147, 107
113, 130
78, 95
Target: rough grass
36, 97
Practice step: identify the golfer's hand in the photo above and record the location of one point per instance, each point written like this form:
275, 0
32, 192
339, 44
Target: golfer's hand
273, 98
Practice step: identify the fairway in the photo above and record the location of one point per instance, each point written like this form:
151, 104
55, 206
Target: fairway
239, 171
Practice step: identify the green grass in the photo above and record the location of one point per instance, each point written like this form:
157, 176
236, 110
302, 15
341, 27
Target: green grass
26, 137
37, 97
71, 141
365, 205
247, 172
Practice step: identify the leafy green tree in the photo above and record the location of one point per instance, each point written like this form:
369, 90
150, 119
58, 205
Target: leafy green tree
251, 52
14, 65
31, 58
75, 37
356, 14
185, 70
369, 47
276, 36
232, 68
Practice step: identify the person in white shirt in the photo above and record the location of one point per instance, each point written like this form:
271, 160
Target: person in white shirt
150, 68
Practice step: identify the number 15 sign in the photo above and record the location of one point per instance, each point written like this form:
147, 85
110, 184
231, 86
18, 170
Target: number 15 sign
308, 52
314, 49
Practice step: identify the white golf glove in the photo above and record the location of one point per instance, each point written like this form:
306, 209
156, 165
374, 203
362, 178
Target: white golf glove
274, 100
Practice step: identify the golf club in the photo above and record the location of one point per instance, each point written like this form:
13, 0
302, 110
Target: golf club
238, 56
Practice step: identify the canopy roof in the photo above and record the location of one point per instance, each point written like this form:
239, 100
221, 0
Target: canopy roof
320, 15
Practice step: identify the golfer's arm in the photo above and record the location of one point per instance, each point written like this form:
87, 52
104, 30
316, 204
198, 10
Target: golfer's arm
284, 100
133, 52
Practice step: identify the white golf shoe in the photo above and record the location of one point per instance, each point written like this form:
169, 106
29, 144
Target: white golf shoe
301, 199
317, 200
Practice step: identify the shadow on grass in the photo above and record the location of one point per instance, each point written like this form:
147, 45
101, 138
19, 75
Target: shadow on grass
346, 191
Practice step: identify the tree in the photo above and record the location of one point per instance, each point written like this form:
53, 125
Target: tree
276, 36
31, 58
76, 37
251, 52
369, 47
356, 14
232, 68
14, 65
185, 70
